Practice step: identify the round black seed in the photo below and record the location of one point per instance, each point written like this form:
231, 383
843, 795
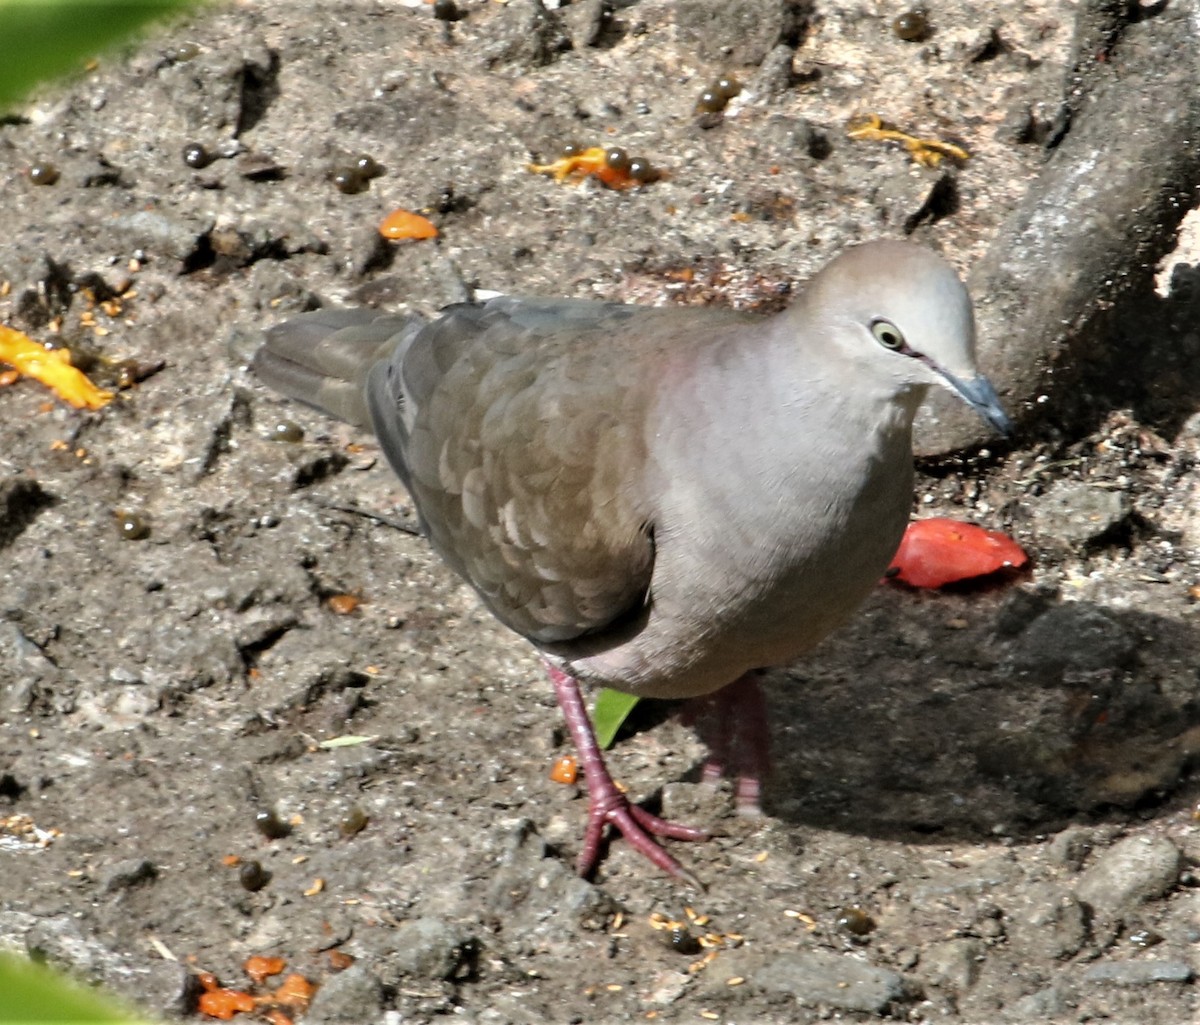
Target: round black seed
43, 174
196, 156
252, 876
911, 26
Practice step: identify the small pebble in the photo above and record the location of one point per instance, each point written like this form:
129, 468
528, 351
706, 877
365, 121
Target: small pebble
1145, 938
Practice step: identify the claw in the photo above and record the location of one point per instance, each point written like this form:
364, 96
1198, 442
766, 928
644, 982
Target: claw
607, 805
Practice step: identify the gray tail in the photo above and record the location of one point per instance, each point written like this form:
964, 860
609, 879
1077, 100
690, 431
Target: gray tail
323, 358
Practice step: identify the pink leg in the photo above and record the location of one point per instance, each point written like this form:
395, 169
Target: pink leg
733, 723
606, 804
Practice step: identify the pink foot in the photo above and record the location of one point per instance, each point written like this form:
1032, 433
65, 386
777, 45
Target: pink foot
733, 723
607, 805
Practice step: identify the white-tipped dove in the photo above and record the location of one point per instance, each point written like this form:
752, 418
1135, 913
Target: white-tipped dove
661, 500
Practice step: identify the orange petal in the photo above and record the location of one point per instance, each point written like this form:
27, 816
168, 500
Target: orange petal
401, 224
225, 1003
259, 967
52, 367
565, 770
294, 992
940, 551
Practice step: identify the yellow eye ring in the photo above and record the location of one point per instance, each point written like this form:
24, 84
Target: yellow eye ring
887, 334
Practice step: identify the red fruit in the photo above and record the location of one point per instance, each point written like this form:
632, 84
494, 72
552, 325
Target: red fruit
940, 551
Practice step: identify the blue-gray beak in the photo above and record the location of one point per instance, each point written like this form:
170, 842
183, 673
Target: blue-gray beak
979, 394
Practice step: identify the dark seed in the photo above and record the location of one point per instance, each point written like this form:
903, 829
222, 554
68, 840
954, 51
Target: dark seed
617, 159
727, 86
572, 149
271, 825
132, 526
367, 166
856, 921
186, 51
253, 876
43, 174
349, 181
287, 431
641, 170
196, 156
911, 26
354, 821
711, 101
445, 10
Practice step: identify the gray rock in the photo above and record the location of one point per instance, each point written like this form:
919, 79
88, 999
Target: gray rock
429, 948
175, 235
1134, 870
782, 138
1051, 924
163, 987
739, 32
541, 898
1018, 125
819, 978
528, 36
1139, 973
585, 22
1071, 847
1073, 636
952, 964
1073, 513
1040, 1006
354, 995
775, 76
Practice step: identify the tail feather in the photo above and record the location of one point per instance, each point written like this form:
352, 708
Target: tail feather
323, 358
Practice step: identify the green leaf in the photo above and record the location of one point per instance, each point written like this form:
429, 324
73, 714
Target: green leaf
42, 39
612, 708
33, 995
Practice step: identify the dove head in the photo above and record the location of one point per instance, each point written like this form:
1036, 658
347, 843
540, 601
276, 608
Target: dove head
901, 312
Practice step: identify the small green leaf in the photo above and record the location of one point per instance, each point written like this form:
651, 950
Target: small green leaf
41, 39
612, 708
32, 994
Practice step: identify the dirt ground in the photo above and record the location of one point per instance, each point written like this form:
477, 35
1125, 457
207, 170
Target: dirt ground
982, 808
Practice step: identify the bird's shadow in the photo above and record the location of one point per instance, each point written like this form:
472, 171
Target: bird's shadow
922, 721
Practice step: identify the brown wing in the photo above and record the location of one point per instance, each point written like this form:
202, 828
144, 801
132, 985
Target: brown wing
519, 427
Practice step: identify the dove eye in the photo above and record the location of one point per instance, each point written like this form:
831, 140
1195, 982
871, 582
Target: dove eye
888, 335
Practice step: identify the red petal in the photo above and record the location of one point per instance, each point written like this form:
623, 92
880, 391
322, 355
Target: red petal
940, 551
